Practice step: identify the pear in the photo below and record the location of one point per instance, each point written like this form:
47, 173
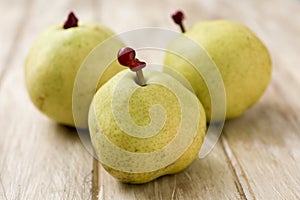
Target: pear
240, 56
53, 61
140, 133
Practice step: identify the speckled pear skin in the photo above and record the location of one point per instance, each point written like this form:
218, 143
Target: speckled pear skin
102, 121
241, 57
53, 61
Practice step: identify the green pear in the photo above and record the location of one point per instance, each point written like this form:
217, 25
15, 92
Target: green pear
140, 133
240, 56
53, 61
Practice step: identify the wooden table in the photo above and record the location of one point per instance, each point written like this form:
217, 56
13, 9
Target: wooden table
257, 156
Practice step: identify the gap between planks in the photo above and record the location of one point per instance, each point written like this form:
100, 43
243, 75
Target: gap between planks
95, 179
241, 181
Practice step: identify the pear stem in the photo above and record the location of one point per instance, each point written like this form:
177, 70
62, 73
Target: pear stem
126, 57
182, 28
178, 17
72, 21
140, 78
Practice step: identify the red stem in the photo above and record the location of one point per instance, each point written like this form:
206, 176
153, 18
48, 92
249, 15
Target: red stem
72, 21
178, 17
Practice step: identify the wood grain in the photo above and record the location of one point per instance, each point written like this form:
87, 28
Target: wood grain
11, 30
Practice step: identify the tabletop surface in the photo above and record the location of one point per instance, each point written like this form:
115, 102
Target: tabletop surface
257, 156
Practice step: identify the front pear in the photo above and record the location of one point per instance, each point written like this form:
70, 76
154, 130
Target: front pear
140, 133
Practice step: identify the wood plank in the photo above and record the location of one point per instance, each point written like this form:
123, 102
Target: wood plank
265, 140
39, 159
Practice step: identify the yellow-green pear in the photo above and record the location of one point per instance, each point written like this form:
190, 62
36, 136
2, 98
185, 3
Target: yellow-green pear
140, 133
240, 56
53, 61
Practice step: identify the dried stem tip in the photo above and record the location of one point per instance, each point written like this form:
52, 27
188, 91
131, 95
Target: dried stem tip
126, 57
72, 21
178, 17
